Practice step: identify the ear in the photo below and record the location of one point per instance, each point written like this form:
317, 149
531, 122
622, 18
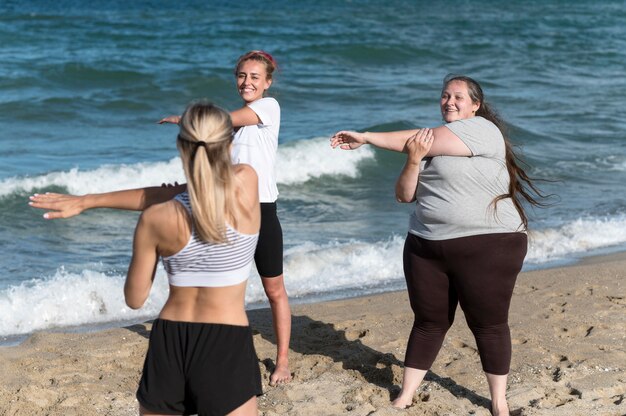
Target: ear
475, 107
269, 83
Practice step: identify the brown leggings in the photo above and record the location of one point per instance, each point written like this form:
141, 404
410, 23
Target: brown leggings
479, 272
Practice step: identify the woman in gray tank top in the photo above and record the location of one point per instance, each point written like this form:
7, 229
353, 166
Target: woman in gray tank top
467, 236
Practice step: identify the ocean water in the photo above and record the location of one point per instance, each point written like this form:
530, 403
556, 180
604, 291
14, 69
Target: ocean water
82, 86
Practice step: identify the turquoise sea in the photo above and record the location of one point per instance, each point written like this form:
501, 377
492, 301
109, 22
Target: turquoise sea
82, 85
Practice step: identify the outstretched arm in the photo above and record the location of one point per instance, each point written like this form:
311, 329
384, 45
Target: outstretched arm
417, 148
444, 141
66, 206
392, 140
244, 116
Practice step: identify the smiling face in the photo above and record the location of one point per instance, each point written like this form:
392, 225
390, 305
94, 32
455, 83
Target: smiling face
252, 80
456, 103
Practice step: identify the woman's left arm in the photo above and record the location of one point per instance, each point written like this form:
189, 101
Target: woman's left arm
143, 262
417, 147
446, 143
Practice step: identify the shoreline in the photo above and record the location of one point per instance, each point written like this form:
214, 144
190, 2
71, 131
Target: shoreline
568, 326
15, 340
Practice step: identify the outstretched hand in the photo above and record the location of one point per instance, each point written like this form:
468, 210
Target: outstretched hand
57, 205
347, 140
170, 119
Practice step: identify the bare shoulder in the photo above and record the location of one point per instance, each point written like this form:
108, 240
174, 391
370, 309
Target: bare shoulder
248, 194
247, 179
245, 172
164, 218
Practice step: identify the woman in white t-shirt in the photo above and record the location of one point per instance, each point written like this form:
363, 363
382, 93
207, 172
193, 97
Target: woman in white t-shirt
256, 125
467, 236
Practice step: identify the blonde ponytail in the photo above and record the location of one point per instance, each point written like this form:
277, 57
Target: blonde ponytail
206, 133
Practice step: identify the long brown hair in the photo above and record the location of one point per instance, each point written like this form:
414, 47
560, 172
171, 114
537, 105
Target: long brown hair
521, 186
206, 132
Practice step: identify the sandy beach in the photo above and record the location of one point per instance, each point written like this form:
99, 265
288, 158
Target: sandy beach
569, 357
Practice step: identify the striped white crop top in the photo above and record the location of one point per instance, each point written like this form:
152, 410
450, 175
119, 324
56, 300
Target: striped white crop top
204, 264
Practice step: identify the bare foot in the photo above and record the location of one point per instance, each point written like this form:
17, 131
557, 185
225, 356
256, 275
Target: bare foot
402, 402
500, 410
281, 375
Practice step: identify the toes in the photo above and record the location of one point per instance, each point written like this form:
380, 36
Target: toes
276, 379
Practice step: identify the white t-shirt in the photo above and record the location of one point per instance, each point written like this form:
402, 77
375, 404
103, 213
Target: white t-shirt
257, 146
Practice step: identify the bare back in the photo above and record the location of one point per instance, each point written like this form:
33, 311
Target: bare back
168, 226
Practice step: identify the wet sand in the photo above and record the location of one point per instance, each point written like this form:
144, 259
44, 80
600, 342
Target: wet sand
569, 357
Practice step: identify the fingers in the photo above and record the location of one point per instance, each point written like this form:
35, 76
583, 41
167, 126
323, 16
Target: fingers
53, 215
42, 197
430, 136
52, 202
47, 200
418, 145
344, 140
336, 140
39, 201
424, 136
170, 120
50, 215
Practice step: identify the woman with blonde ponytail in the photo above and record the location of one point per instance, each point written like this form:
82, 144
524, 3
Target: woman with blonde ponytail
206, 147
256, 126
201, 357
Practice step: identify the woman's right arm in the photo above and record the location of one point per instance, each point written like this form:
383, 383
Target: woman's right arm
392, 140
444, 142
244, 116
66, 206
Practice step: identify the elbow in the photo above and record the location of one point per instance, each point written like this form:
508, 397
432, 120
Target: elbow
133, 300
134, 303
404, 198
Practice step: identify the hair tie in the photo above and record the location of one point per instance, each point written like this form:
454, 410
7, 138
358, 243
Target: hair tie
196, 143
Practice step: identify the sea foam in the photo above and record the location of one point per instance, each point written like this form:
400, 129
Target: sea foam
320, 271
576, 238
297, 162
71, 299
307, 159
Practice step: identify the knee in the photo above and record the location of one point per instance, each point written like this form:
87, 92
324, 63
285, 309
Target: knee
491, 331
431, 329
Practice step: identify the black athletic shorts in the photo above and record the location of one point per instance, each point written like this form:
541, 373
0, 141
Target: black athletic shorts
268, 256
190, 367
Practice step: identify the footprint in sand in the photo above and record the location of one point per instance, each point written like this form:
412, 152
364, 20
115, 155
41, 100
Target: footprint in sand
581, 331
